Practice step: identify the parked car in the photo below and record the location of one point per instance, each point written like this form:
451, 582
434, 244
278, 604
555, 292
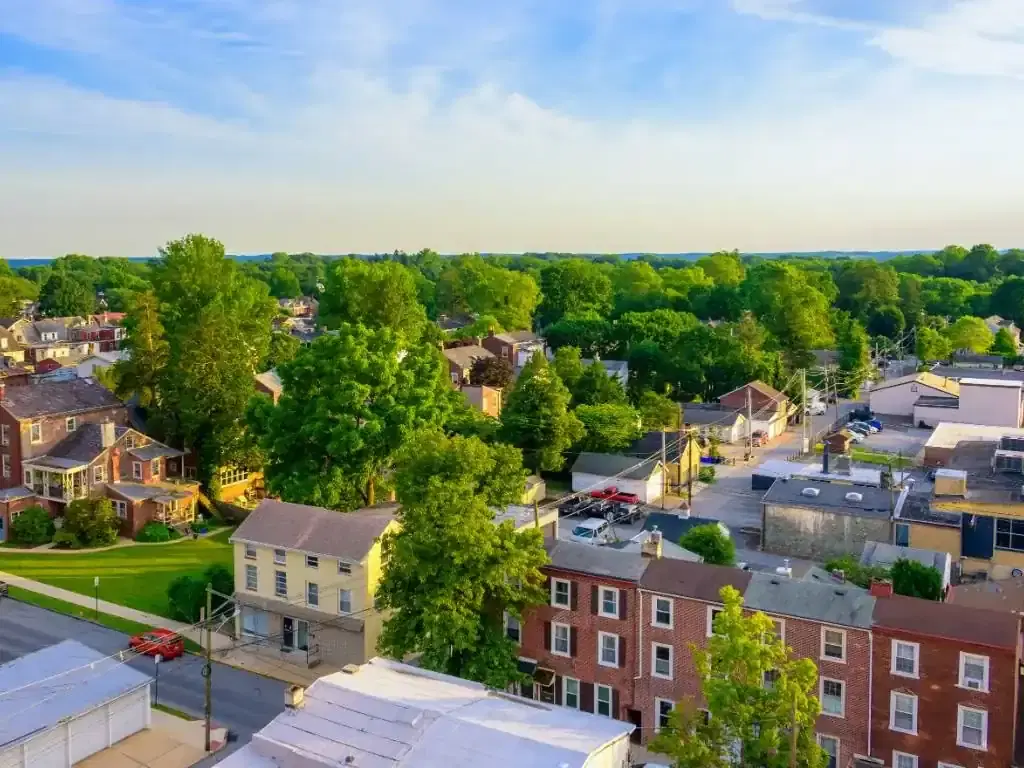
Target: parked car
612, 493
859, 429
855, 437
876, 424
162, 642
864, 425
759, 438
816, 408
591, 532
618, 512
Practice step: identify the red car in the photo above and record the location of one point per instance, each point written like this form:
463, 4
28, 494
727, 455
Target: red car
168, 644
612, 494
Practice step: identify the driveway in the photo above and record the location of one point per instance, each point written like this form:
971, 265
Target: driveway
242, 702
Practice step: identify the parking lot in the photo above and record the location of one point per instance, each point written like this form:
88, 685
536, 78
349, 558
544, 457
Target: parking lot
906, 440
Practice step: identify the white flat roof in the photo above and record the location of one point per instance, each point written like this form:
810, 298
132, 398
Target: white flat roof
947, 434
991, 383
955, 474
392, 715
789, 469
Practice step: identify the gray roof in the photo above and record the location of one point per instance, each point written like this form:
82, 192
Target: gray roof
596, 560
18, 492
874, 502
85, 443
137, 491
673, 527
57, 397
467, 355
613, 464
1007, 374
843, 604
155, 450
90, 681
517, 337
55, 462
917, 508
880, 553
703, 414
668, 549
319, 531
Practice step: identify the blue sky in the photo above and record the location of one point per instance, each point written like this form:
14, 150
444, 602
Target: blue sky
591, 125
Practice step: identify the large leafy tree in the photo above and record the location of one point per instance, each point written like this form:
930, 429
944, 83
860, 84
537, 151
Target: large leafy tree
852, 344
595, 387
350, 402
380, 294
14, 290
216, 323
589, 332
931, 345
536, 416
610, 427
865, 285
750, 721
471, 284
637, 287
970, 333
657, 412
723, 267
1004, 345
64, 296
708, 541
793, 310
452, 574
573, 286
1007, 299
140, 372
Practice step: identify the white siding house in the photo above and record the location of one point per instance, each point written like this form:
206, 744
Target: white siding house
630, 474
101, 701
897, 397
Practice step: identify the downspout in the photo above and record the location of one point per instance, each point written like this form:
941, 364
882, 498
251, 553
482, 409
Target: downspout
640, 641
871, 675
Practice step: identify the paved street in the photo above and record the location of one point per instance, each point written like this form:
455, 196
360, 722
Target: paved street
242, 702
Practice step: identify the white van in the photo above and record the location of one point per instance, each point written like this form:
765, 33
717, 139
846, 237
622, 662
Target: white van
592, 531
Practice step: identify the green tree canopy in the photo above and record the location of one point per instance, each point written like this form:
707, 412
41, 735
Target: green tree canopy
970, 333
723, 267
588, 331
610, 427
452, 574
350, 402
1005, 345
915, 579
283, 348
931, 345
755, 694
473, 285
595, 387
64, 296
568, 364
140, 372
380, 294
794, 311
536, 417
854, 354
657, 412
573, 287
708, 541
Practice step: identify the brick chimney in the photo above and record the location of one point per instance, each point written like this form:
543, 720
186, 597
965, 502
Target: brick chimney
115, 465
651, 546
881, 588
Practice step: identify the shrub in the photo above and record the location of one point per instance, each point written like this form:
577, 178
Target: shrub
915, 579
66, 540
93, 521
153, 532
709, 542
706, 474
186, 595
854, 572
32, 527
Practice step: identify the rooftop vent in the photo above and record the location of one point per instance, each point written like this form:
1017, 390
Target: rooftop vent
854, 496
294, 697
812, 492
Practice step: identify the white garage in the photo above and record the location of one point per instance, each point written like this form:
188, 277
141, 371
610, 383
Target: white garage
64, 703
630, 474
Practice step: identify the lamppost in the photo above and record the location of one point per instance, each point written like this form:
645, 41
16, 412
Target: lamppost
96, 587
156, 687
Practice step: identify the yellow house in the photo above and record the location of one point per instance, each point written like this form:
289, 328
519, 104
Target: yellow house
305, 579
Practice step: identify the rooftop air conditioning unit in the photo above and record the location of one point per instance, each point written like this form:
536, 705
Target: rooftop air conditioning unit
812, 492
852, 496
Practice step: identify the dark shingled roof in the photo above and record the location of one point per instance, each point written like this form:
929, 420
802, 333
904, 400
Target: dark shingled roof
84, 444
613, 464
155, 450
875, 502
1001, 595
703, 414
517, 337
650, 444
598, 561
466, 355
48, 398
697, 580
946, 621
674, 527
319, 531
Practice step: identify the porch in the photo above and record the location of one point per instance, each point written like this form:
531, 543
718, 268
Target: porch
175, 508
53, 479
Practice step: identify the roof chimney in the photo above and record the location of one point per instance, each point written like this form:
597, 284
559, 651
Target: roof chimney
881, 588
108, 435
294, 697
651, 546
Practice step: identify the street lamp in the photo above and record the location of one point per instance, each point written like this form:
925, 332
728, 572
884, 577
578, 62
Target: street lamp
156, 688
96, 587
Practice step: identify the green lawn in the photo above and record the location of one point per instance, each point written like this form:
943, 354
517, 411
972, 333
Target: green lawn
137, 577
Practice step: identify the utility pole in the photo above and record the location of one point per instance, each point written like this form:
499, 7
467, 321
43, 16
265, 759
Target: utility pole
750, 426
689, 473
804, 442
682, 418
665, 471
208, 669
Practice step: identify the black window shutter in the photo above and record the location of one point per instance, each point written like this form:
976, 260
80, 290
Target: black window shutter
622, 651
558, 689
547, 587
593, 600
587, 697
572, 641
615, 703
547, 635
574, 594
623, 607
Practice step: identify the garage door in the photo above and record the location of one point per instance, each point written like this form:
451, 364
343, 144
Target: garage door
88, 734
129, 714
48, 750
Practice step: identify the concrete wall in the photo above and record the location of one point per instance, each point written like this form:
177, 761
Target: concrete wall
818, 534
992, 406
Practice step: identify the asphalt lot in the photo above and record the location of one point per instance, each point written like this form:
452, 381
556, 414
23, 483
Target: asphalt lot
242, 702
908, 441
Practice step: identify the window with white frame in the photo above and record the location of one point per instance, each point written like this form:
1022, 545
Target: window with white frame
36, 432
833, 697
5, 434
833, 644
974, 671
712, 613
345, 601
609, 603
281, 583
129, 441
251, 578
136, 470
513, 629
903, 760
661, 661
99, 473
121, 508
233, 475
903, 712
312, 561
70, 424
570, 692
28, 477
972, 727
905, 658
603, 700
250, 551
560, 639
154, 468
662, 709
560, 593
280, 556
661, 612
831, 746
312, 594
344, 567
607, 649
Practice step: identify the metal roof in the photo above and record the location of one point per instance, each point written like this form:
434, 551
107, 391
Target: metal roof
615, 465
385, 714
596, 560
881, 553
843, 604
91, 680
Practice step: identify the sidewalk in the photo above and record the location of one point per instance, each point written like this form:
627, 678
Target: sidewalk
224, 650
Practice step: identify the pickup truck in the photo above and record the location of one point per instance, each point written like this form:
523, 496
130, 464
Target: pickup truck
612, 494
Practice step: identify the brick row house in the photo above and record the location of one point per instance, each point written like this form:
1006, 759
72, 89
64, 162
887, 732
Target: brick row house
615, 640
66, 440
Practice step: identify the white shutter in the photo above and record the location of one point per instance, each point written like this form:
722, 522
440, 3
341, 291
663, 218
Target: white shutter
89, 734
